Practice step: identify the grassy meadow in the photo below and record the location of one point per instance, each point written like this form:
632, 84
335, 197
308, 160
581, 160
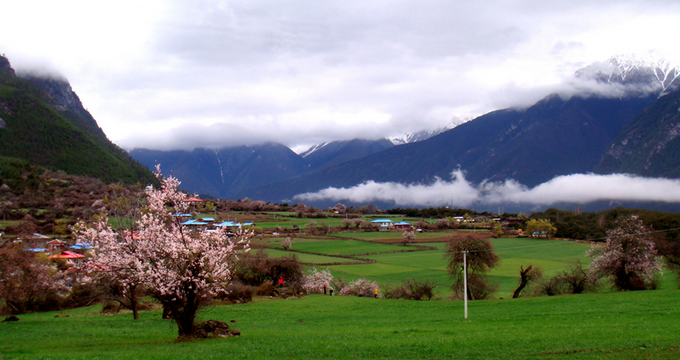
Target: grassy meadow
593, 326
607, 325
393, 263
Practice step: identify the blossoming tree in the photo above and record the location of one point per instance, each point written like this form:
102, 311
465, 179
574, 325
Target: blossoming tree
629, 256
317, 281
182, 268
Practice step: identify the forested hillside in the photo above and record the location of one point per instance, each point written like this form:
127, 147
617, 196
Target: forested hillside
35, 128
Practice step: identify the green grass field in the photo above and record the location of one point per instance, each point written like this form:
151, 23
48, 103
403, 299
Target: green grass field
393, 236
395, 263
310, 258
625, 325
609, 325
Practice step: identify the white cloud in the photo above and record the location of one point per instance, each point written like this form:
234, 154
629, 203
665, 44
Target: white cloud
458, 192
151, 71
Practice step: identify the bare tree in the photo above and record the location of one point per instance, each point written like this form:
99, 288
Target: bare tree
527, 275
480, 259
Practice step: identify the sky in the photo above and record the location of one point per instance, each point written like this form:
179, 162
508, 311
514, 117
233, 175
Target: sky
178, 75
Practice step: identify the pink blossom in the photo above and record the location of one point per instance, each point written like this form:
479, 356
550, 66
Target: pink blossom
181, 267
629, 256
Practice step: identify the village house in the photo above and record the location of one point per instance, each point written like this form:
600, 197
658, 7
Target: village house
385, 224
402, 225
56, 246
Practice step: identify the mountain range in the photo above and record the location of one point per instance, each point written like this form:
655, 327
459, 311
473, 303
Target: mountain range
625, 120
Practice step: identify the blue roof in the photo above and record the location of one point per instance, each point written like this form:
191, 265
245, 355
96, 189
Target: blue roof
381, 220
80, 245
402, 223
228, 223
207, 219
194, 222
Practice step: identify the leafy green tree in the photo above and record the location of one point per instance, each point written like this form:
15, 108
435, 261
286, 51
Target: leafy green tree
496, 229
541, 228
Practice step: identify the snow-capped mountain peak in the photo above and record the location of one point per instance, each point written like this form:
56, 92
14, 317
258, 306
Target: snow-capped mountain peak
424, 134
649, 69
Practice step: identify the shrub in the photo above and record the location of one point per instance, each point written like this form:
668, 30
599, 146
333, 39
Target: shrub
259, 268
316, 281
576, 280
550, 287
412, 289
237, 292
338, 285
266, 288
360, 287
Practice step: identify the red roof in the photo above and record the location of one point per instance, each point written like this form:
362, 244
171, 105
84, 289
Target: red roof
193, 199
67, 255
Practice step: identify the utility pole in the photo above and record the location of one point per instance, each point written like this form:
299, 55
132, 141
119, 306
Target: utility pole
465, 291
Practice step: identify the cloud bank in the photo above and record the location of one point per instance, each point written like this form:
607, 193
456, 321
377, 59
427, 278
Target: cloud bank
166, 74
458, 192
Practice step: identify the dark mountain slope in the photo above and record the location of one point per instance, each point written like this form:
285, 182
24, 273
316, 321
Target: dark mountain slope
650, 144
61, 98
553, 137
35, 131
226, 171
337, 152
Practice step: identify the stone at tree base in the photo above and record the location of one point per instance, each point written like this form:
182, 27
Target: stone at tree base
215, 328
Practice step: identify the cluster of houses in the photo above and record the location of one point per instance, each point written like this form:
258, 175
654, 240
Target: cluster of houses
387, 225
56, 248
208, 223
76, 253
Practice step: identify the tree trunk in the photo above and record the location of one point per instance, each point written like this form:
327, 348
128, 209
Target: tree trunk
523, 280
167, 311
184, 313
134, 301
